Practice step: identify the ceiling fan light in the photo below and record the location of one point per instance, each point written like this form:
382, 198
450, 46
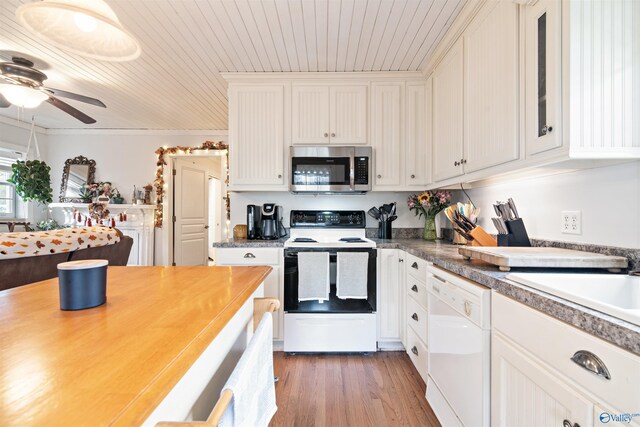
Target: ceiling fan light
23, 96
86, 27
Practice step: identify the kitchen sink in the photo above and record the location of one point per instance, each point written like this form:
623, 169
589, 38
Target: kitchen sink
614, 294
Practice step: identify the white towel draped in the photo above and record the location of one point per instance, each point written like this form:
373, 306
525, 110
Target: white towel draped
313, 276
254, 392
351, 275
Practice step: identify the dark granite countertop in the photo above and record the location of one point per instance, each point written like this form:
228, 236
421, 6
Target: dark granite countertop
619, 332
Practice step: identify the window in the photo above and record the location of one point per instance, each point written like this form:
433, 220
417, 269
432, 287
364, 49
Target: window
9, 201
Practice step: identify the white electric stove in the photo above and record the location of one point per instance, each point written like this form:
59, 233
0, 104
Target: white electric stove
336, 325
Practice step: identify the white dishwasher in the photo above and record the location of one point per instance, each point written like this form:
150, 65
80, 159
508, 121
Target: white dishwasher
459, 349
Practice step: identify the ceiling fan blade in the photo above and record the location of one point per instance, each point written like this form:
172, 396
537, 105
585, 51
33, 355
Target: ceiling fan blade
70, 110
3, 102
71, 95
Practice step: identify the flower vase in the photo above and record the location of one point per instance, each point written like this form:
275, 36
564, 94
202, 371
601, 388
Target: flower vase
429, 228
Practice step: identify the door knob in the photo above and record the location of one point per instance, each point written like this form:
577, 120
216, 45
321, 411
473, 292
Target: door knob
412, 176
414, 350
414, 316
414, 288
326, 135
279, 176
333, 135
379, 176
206, 227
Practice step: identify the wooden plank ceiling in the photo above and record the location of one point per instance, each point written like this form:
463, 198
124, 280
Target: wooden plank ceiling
175, 83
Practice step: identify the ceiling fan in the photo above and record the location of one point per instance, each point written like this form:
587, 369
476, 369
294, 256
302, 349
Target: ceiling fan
21, 74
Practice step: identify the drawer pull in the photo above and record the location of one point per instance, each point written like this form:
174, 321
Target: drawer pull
249, 255
414, 265
414, 288
567, 423
439, 279
414, 350
467, 308
436, 289
591, 363
414, 316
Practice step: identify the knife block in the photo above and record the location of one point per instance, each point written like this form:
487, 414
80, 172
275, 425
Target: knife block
517, 234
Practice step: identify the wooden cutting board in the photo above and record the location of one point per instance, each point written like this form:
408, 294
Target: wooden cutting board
509, 257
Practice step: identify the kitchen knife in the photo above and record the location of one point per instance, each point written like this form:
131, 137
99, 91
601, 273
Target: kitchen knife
512, 206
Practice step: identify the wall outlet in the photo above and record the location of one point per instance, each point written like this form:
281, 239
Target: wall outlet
571, 222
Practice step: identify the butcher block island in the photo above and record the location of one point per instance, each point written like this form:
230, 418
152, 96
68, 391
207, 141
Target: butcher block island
159, 349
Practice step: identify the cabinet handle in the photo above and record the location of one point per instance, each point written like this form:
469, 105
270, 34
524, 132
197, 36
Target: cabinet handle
414, 288
414, 265
379, 176
326, 135
463, 161
467, 308
249, 255
546, 129
567, 423
333, 135
414, 316
591, 363
414, 350
456, 164
400, 260
436, 289
413, 176
279, 175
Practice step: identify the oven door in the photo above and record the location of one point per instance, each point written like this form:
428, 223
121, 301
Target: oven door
335, 304
322, 169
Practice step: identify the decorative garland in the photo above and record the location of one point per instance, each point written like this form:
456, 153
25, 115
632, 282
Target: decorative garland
158, 183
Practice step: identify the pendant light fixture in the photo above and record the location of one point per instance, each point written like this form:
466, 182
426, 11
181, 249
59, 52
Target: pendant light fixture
23, 96
86, 27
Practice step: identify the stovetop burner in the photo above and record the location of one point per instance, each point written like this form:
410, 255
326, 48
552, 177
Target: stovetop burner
352, 240
305, 240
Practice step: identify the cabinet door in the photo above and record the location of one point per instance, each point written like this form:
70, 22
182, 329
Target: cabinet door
491, 87
447, 115
348, 114
310, 114
386, 116
389, 296
417, 171
525, 393
272, 290
256, 135
543, 72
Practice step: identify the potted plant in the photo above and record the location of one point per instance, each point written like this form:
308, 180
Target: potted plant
116, 197
32, 180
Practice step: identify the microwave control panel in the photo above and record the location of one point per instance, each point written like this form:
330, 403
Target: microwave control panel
361, 170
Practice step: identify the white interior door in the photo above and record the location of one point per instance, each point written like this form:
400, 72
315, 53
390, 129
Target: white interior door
191, 198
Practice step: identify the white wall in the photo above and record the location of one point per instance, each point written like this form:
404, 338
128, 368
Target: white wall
608, 197
406, 218
124, 159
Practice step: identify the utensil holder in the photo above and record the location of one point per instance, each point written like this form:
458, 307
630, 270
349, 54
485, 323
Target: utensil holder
517, 234
482, 238
384, 230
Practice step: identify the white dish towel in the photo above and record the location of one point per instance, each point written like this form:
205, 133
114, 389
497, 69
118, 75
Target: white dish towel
351, 275
254, 391
313, 276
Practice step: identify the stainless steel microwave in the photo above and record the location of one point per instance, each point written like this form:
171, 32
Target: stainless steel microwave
330, 169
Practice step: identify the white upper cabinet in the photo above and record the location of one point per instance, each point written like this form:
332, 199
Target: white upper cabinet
491, 87
448, 115
310, 114
256, 136
326, 114
417, 170
386, 120
543, 71
348, 114
604, 64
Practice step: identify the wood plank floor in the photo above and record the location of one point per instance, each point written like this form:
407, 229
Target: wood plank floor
382, 389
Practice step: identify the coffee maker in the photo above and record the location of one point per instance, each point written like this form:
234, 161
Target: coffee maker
264, 222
